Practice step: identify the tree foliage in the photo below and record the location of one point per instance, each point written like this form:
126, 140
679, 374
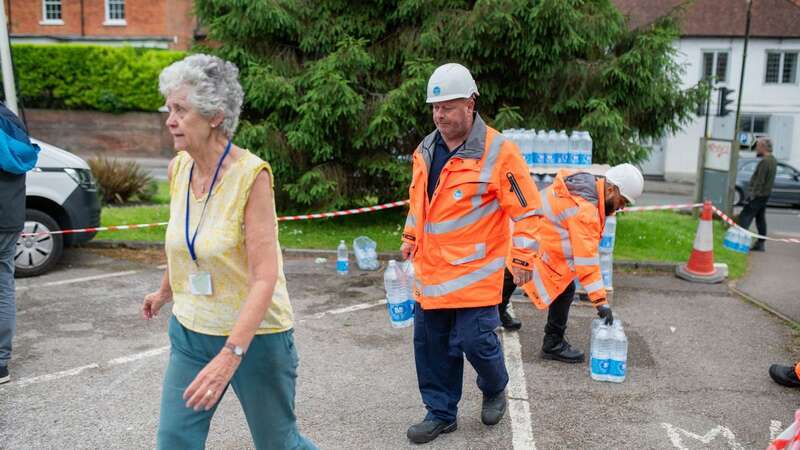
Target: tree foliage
335, 89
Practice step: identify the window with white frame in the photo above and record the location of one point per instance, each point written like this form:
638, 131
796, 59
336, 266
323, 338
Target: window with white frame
51, 11
781, 67
715, 65
115, 12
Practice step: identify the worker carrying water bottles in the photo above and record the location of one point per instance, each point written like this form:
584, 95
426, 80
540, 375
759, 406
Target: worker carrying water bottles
575, 208
468, 180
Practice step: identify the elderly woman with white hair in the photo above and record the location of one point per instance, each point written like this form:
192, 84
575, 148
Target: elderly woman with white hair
232, 320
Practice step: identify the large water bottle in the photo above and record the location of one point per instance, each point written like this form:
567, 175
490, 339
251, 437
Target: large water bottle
601, 353
550, 149
400, 308
562, 149
541, 146
527, 146
618, 361
606, 251
342, 259
731, 239
745, 240
587, 149
575, 148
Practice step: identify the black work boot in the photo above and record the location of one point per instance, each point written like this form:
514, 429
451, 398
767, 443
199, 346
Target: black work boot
557, 348
429, 429
758, 246
509, 322
493, 408
784, 375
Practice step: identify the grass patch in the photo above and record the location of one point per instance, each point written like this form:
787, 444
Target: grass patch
668, 237
645, 236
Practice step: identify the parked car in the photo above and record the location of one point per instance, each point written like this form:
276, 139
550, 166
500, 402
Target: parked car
61, 193
786, 191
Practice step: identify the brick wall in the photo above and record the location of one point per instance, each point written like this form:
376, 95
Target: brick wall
136, 134
145, 18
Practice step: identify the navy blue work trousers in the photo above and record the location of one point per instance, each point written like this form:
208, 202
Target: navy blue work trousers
442, 337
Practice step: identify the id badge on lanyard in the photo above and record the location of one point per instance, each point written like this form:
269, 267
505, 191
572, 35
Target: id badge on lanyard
200, 280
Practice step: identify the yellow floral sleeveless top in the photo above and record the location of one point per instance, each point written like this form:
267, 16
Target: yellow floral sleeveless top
220, 249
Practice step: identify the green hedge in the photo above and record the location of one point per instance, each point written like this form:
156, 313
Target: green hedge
112, 79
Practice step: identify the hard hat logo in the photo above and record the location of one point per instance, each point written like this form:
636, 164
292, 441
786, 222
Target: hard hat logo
451, 81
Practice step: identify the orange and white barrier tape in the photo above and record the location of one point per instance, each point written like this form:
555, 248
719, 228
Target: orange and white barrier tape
662, 207
280, 219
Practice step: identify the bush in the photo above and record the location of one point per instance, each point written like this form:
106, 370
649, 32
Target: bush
120, 181
103, 78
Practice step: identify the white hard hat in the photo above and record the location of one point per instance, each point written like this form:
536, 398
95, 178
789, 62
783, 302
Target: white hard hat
628, 179
450, 81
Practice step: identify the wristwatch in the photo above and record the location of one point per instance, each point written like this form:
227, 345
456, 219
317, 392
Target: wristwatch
235, 349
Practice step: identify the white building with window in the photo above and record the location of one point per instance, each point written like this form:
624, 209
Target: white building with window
711, 45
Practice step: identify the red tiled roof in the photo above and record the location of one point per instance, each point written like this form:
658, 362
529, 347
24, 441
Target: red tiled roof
770, 18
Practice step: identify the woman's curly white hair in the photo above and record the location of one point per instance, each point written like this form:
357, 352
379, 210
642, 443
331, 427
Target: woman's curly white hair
213, 87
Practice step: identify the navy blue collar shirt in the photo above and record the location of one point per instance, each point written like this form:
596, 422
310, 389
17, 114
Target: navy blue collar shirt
441, 154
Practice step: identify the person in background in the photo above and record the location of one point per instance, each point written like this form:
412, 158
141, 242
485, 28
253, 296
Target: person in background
232, 322
467, 182
758, 191
17, 156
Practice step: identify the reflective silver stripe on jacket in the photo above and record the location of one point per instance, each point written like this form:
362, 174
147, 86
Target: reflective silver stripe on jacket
534, 212
438, 290
594, 287
480, 252
587, 261
525, 243
473, 216
566, 245
411, 221
540, 289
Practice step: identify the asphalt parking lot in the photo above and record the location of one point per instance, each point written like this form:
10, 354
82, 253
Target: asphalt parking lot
87, 370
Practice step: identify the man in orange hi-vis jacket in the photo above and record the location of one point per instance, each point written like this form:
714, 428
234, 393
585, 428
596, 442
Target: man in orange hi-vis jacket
468, 181
788, 376
575, 207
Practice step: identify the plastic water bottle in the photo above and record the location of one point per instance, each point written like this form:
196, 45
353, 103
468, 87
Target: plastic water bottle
541, 145
342, 260
618, 361
400, 308
745, 240
535, 152
601, 353
550, 148
527, 146
606, 251
575, 148
562, 149
587, 149
731, 239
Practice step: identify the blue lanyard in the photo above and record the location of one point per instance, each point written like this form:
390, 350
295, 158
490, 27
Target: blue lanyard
190, 242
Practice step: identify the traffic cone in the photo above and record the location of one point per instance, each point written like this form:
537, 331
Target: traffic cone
700, 267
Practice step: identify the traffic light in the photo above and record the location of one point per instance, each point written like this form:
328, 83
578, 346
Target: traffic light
724, 102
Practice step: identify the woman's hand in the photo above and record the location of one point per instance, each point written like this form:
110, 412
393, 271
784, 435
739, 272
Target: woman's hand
208, 386
153, 303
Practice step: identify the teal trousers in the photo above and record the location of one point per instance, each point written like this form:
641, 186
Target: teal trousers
264, 384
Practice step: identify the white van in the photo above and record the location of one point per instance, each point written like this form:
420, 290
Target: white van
60, 194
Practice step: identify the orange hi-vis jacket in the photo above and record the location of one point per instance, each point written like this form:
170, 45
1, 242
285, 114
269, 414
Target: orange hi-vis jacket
462, 233
569, 239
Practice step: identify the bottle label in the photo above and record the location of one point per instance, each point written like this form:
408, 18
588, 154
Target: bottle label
400, 312
617, 368
599, 366
342, 265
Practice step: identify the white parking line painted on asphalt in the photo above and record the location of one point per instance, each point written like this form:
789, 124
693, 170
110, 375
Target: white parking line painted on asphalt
519, 407
775, 429
79, 280
137, 356
53, 376
346, 309
160, 350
